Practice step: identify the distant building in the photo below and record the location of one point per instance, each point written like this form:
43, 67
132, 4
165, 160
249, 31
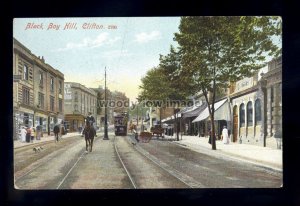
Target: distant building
79, 100
37, 91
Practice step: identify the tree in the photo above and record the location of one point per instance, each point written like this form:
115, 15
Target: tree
218, 50
155, 86
100, 93
179, 87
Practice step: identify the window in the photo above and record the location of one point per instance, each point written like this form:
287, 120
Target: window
25, 70
41, 100
75, 107
51, 103
76, 97
258, 112
26, 97
60, 87
52, 84
60, 105
272, 94
242, 115
41, 79
249, 114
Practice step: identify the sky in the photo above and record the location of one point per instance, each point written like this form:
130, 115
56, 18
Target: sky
81, 48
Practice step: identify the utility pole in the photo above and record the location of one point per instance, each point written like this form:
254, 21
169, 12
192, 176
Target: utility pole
137, 115
105, 117
142, 127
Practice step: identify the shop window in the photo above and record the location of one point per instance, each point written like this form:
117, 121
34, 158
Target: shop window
242, 115
258, 112
249, 114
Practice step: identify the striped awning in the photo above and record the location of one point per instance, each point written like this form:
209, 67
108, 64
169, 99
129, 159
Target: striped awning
205, 113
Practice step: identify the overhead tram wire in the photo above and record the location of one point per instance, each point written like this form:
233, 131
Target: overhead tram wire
125, 32
122, 49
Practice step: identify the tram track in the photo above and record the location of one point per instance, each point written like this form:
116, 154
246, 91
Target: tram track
83, 152
126, 170
166, 170
25, 173
20, 174
189, 181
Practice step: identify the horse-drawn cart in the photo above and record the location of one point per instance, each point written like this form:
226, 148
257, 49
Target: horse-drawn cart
145, 137
158, 131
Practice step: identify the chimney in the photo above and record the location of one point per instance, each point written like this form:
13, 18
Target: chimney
43, 60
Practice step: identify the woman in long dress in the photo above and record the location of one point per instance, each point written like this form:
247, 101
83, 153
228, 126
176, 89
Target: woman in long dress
225, 135
23, 134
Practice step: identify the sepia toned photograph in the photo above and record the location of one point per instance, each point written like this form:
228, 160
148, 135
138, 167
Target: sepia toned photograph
147, 102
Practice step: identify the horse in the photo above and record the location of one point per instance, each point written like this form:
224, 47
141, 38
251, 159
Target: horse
89, 134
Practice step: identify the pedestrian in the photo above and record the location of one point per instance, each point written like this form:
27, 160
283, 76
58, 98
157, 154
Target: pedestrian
23, 134
32, 134
225, 135
28, 134
56, 131
209, 139
38, 132
62, 129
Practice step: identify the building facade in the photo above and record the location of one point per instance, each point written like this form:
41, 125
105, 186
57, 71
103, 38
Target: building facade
250, 108
37, 94
257, 107
78, 100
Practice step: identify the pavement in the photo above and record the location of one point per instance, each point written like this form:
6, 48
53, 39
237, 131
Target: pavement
45, 138
258, 155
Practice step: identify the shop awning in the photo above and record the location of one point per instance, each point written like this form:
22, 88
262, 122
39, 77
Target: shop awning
194, 112
170, 119
205, 113
223, 113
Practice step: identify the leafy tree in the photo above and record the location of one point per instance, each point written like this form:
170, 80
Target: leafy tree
155, 86
170, 64
179, 87
218, 50
100, 93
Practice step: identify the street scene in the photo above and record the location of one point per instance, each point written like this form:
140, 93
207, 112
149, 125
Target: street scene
147, 103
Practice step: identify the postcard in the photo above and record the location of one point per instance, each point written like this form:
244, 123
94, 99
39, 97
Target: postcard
147, 102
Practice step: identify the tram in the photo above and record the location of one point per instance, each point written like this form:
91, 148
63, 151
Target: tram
120, 123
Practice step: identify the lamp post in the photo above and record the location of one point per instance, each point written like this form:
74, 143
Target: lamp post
105, 117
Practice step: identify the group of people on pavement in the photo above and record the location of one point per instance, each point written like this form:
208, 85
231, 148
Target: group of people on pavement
28, 134
224, 136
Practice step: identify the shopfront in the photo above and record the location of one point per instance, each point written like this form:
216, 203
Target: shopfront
74, 122
23, 117
221, 119
41, 119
